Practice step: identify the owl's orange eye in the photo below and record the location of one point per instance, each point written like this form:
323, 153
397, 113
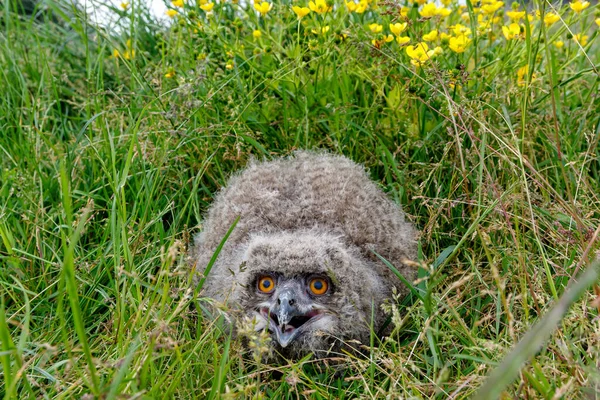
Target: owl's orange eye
266, 284
318, 286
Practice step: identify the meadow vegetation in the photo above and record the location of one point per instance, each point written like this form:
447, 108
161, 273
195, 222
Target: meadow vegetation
481, 118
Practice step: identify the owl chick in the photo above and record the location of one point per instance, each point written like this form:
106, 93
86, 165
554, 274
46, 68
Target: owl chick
301, 261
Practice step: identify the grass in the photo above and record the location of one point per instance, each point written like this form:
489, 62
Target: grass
115, 139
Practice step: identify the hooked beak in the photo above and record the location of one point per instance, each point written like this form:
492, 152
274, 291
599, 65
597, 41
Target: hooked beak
286, 319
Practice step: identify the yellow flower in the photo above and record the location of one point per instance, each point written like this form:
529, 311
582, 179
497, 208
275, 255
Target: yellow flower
323, 30
581, 39
207, 7
170, 74
550, 19
362, 7
419, 53
351, 5
263, 8
431, 36
404, 11
402, 40
377, 43
129, 54
443, 12
597, 21
465, 17
420, 2
319, 6
515, 16
125, 5
491, 8
578, 6
460, 30
256, 34
376, 28
559, 44
458, 44
301, 11
115, 53
171, 13
177, 3
397, 28
522, 73
229, 65
444, 37
511, 31
429, 10
446, 2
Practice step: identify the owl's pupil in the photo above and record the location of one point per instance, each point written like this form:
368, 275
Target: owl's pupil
266, 284
318, 285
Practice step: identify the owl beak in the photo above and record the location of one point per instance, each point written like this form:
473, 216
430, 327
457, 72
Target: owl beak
287, 319
285, 310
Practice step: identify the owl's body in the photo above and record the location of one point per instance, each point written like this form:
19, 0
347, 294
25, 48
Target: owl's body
301, 258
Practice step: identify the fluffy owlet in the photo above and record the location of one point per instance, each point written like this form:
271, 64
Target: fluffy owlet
301, 260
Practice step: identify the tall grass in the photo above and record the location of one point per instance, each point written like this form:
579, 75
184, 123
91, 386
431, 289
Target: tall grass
114, 140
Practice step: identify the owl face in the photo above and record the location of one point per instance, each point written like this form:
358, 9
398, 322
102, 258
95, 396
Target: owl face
304, 290
290, 307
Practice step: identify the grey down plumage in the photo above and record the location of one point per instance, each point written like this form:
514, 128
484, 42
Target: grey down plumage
311, 213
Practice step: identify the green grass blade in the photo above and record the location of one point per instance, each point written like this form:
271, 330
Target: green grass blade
535, 338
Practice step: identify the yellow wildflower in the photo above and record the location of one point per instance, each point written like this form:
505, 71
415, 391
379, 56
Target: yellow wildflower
419, 53
301, 11
458, 44
444, 37
460, 30
376, 28
398, 28
491, 8
515, 15
578, 5
115, 53
550, 19
171, 13
420, 2
177, 3
319, 6
170, 73
443, 12
431, 36
263, 8
581, 39
128, 54
404, 11
522, 74
446, 2
597, 21
229, 65
256, 34
511, 31
465, 17
207, 7
429, 10
351, 6
323, 30
402, 40
125, 5
559, 44
362, 7
377, 43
